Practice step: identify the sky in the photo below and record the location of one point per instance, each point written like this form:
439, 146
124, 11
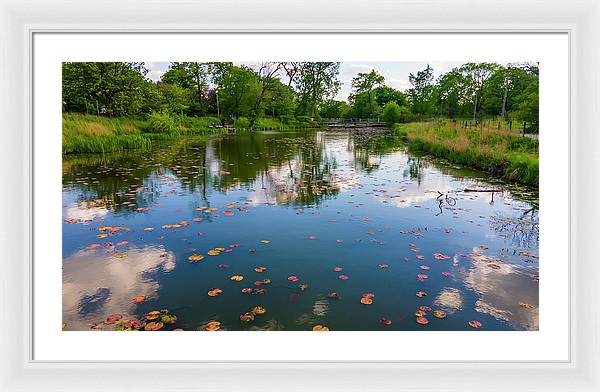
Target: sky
395, 73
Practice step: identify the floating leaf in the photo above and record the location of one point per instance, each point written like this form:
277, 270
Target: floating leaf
425, 308
113, 318
440, 256
212, 326
320, 328
138, 299
338, 269
424, 267
247, 290
154, 326
312, 237
260, 269
366, 301
343, 277
169, 319
214, 292
332, 295
237, 278
293, 278
194, 258
265, 241
153, 315
258, 310
303, 287
475, 324
422, 320
247, 317
421, 294
385, 321
382, 266
439, 313
420, 313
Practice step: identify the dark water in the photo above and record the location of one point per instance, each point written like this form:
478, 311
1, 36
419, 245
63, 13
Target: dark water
322, 200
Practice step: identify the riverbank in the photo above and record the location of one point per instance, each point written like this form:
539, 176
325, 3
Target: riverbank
502, 153
83, 133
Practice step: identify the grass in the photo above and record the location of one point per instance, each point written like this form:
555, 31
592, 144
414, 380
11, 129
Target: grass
83, 133
501, 152
91, 134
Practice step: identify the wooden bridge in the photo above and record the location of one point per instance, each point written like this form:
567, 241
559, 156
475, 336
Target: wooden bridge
353, 123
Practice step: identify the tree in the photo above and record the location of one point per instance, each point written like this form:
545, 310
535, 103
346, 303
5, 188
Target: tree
110, 88
365, 82
190, 75
237, 88
176, 98
475, 75
334, 109
391, 113
315, 82
421, 91
529, 109
385, 94
449, 91
266, 75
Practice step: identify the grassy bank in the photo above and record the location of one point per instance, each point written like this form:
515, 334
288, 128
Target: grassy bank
91, 134
502, 153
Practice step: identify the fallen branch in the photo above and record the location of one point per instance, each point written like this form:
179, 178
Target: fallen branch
483, 190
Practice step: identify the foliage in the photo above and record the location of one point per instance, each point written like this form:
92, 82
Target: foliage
391, 113
502, 153
364, 83
112, 89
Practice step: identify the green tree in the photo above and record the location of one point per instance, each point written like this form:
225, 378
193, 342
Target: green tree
315, 82
385, 94
475, 76
191, 75
334, 109
106, 88
391, 113
365, 82
421, 91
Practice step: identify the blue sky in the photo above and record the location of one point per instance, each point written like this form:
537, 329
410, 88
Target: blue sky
395, 73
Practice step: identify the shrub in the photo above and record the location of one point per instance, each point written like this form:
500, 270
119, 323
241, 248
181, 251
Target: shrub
391, 113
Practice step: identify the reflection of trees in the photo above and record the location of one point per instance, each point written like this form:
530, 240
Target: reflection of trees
291, 169
523, 231
414, 169
110, 179
368, 148
288, 170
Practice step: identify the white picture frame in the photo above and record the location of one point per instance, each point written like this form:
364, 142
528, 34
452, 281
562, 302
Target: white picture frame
20, 20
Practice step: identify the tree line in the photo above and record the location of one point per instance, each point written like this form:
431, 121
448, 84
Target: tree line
287, 90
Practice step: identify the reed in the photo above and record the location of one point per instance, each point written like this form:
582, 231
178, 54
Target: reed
501, 152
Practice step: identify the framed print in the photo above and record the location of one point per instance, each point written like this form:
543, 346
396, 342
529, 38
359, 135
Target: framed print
302, 201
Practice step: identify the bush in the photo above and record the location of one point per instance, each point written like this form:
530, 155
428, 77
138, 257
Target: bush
163, 122
241, 123
391, 113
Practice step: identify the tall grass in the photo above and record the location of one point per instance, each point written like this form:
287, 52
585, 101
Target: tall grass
500, 152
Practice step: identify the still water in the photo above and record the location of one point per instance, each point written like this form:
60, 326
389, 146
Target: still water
345, 230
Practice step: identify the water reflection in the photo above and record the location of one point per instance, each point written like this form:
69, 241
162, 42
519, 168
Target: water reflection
96, 284
319, 200
505, 291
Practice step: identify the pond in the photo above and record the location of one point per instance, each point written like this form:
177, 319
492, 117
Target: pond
342, 229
